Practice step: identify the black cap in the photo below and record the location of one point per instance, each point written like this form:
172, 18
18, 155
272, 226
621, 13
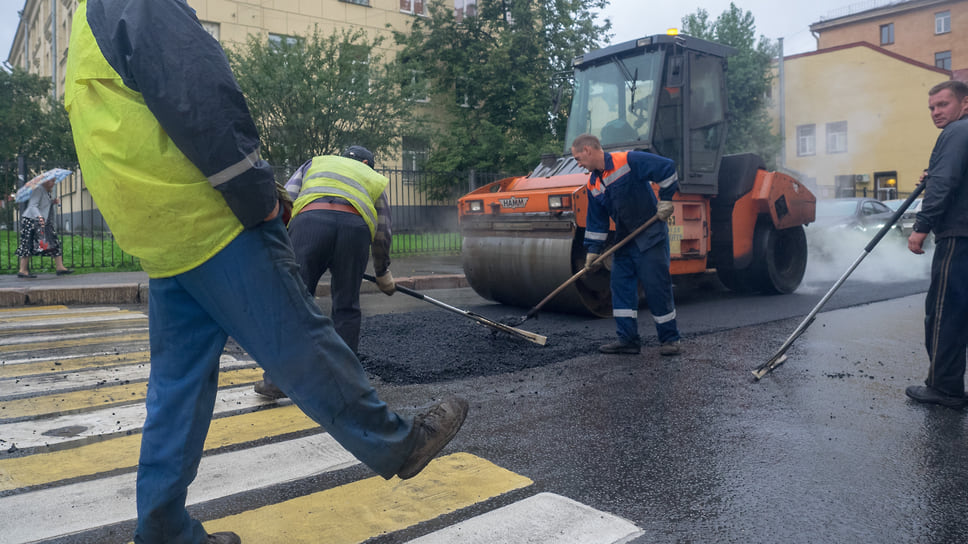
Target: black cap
359, 153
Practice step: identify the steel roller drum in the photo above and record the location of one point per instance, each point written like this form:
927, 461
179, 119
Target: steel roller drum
522, 268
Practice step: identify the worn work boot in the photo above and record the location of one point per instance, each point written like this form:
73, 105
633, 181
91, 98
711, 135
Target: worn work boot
671, 348
224, 538
268, 389
930, 395
620, 346
433, 430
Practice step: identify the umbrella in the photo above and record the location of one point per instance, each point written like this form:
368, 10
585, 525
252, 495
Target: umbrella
56, 174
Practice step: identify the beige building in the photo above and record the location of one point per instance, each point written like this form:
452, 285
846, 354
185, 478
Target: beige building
856, 120
40, 44
928, 31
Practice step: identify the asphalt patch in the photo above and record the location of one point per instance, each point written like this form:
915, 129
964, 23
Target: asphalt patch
428, 346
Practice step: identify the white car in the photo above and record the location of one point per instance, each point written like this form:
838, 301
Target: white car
906, 222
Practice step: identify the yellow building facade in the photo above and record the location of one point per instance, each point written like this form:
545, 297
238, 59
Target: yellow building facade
40, 44
856, 120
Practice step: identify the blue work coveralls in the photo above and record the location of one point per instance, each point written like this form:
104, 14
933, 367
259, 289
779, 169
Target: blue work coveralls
623, 192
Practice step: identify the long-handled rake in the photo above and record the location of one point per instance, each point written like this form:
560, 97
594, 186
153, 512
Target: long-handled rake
779, 357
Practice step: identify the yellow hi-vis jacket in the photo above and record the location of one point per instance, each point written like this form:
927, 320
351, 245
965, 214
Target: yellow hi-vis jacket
345, 178
165, 141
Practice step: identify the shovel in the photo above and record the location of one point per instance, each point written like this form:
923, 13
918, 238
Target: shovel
527, 335
779, 357
517, 321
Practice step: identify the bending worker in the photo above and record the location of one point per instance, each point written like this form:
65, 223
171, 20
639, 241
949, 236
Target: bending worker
620, 188
340, 206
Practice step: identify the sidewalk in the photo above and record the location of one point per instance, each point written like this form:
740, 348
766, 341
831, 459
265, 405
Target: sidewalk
420, 273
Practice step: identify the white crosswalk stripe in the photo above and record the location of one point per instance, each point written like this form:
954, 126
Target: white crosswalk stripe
68, 463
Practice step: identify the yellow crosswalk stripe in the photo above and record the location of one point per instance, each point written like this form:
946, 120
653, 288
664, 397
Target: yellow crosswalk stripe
121, 453
26, 319
78, 401
75, 342
355, 512
31, 309
70, 364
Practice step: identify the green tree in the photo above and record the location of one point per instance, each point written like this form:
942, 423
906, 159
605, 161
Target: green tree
319, 94
34, 124
748, 79
492, 80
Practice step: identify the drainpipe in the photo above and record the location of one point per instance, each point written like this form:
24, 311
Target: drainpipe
782, 99
53, 49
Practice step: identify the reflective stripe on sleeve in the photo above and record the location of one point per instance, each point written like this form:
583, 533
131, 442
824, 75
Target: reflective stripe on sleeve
668, 181
235, 170
596, 236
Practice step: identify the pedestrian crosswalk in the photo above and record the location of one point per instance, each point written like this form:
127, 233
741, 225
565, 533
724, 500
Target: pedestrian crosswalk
72, 389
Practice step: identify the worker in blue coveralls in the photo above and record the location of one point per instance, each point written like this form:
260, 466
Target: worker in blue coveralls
620, 188
170, 153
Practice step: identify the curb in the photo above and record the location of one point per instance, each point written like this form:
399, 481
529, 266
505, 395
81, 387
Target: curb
137, 293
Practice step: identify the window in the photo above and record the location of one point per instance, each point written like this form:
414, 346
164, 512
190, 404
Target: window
278, 39
942, 22
806, 140
462, 92
211, 28
837, 137
415, 151
358, 2
942, 59
414, 7
418, 89
464, 8
887, 34
354, 66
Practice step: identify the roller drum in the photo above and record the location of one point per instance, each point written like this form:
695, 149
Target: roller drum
522, 268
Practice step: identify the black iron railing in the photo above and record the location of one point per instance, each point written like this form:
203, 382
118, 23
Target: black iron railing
421, 225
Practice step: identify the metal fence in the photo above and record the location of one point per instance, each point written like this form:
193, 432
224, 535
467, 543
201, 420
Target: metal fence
421, 225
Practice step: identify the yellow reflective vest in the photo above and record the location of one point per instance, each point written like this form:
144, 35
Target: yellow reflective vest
170, 157
345, 178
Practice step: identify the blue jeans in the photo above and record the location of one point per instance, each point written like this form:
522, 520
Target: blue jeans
631, 267
251, 291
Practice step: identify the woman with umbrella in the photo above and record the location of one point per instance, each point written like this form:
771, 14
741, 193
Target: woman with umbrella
37, 235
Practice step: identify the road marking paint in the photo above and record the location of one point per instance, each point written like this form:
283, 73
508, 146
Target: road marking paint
33, 310
29, 367
76, 507
29, 322
544, 518
13, 345
121, 453
75, 401
82, 428
53, 383
353, 513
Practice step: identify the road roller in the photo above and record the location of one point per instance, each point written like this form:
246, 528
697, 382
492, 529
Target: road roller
664, 94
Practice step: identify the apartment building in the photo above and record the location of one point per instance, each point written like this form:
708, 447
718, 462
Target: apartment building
856, 120
40, 44
928, 31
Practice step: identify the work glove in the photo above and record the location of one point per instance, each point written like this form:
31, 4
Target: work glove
590, 260
664, 210
386, 283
